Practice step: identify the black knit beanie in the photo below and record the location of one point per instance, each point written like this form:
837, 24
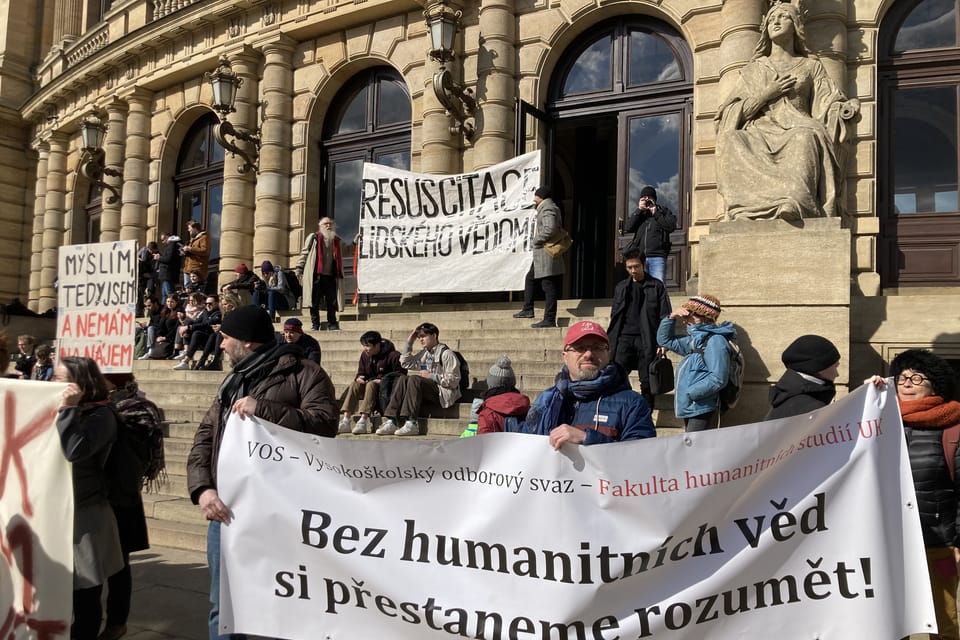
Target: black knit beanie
810, 354
250, 323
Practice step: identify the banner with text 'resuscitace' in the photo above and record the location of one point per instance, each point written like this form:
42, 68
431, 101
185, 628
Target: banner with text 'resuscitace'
799, 528
447, 233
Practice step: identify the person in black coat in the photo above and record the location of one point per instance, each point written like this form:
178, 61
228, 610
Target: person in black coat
640, 302
168, 264
807, 384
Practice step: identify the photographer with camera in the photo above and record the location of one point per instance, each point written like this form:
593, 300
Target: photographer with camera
651, 226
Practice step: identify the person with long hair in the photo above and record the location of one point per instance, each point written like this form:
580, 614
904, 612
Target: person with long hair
88, 430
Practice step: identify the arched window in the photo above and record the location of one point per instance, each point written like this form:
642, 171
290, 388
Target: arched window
368, 121
199, 184
919, 158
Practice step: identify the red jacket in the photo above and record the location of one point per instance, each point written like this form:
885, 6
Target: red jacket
492, 411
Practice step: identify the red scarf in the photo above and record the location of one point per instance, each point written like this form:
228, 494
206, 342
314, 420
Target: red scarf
930, 413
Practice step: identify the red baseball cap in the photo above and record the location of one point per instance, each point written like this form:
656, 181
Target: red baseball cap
582, 329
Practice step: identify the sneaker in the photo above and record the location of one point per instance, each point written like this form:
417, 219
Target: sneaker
409, 428
183, 366
362, 426
544, 324
180, 355
523, 314
145, 356
388, 428
344, 426
333, 327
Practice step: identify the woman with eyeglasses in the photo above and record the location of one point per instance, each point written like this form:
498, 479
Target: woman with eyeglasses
927, 395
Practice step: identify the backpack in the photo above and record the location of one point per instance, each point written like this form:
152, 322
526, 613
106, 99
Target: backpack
136, 459
729, 395
293, 282
464, 370
387, 383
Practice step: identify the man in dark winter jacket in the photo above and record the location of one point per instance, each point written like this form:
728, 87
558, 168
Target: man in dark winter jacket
591, 401
293, 334
639, 303
651, 226
378, 359
168, 264
269, 381
807, 384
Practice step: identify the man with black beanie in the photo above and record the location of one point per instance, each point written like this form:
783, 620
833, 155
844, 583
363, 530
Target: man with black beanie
651, 226
807, 384
270, 381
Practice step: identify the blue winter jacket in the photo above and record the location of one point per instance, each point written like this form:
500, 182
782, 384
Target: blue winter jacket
607, 409
700, 376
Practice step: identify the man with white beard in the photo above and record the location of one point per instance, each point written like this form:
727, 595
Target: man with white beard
320, 269
591, 401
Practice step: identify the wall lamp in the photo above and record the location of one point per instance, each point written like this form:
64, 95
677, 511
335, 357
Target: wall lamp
225, 83
93, 131
443, 22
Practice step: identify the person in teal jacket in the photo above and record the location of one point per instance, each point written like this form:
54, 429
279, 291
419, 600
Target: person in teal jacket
703, 371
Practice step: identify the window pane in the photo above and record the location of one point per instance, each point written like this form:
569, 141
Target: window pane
394, 103
355, 114
655, 158
925, 150
347, 175
215, 194
931, 24
651, 60
593, 70
394, 159
194, 152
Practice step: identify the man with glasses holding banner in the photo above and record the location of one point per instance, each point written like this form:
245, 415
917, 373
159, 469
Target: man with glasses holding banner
591, 401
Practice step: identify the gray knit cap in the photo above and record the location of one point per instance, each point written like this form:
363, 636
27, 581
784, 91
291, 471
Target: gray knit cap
501, 374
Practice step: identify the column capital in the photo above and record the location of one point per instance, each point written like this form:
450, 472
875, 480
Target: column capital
280, 43
139, 96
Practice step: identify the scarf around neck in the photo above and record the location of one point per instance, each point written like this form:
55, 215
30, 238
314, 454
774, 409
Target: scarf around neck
931, 412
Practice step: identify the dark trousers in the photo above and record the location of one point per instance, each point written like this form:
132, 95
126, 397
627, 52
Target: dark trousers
324, 287
630, 354
413, 396
551, 288
701, 422
119, 591
87, 613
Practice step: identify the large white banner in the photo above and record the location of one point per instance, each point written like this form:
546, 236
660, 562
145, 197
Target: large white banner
801, 528
36, 514
97, 303
447, 233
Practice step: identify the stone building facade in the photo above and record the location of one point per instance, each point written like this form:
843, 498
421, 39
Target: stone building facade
618, 94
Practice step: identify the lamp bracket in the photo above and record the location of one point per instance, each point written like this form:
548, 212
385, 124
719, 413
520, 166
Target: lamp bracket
225, 130
457, 100
93, 169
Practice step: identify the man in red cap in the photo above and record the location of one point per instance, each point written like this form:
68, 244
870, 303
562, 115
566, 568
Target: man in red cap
591, 401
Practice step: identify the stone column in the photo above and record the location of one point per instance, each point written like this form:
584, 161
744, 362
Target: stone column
441, 148
136, 166
39, 208
67, 20
236, 231
272, 217
827, 37
496, 68
113, 147
53, 218
740, 29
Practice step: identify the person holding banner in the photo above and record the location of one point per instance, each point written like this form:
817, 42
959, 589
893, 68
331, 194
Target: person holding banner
269, 381
592, 401
927, 392
320, 269
807, 384
88, 429
546, 270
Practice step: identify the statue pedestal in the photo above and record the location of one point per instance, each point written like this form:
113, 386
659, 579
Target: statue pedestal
775, 282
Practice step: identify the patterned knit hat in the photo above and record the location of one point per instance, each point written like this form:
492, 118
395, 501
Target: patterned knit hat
705, 306
501, 374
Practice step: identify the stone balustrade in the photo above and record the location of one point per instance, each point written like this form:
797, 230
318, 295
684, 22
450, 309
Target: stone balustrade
165, 7
88, 45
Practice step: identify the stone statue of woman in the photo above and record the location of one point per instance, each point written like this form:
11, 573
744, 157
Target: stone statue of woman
781, 133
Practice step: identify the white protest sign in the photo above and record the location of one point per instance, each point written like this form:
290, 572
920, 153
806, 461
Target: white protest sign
801, 528
36, 514
447, 233
97, 303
